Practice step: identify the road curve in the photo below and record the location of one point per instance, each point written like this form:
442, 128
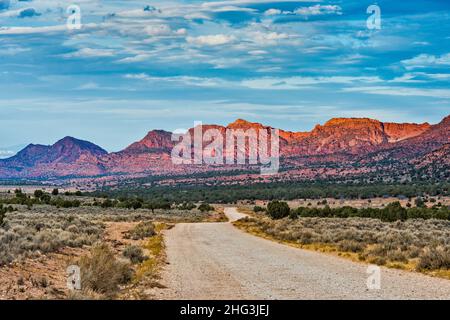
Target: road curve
218, 261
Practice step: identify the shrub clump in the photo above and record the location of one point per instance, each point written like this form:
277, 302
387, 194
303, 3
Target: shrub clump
204, 207
278, 209
257, 209
134, 253
350, 246
434, 258
102, 273
143, 230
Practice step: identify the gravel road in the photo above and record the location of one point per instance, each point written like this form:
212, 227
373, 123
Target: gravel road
218, 261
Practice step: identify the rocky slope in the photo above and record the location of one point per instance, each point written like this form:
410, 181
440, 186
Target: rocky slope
68, 156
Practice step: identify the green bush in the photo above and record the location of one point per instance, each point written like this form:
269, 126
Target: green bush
204, 207
61, 203
2, 217
3, 212
38, 193
257, 209
278, 209
393, 212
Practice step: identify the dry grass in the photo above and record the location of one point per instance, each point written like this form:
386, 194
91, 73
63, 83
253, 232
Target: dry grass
154, 248
421, 245
29, 234
102, 273
142, 230
218, 215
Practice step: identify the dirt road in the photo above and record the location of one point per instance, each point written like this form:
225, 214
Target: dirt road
218, 261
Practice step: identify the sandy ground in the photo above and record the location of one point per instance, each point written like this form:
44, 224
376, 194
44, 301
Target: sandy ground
218, 261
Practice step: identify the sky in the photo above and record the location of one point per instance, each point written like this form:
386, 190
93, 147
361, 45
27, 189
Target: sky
134, 66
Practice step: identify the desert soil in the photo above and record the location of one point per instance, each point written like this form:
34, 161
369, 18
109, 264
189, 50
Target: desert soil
22, 280
218, 261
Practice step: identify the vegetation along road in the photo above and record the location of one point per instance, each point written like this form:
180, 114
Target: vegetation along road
218, 261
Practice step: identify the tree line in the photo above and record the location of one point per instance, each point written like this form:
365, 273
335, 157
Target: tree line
278, 191
392, 212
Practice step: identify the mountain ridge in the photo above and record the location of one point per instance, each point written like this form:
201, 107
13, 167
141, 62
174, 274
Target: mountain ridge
336, 139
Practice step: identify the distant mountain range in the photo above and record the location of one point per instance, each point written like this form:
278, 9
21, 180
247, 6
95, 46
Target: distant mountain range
341, 144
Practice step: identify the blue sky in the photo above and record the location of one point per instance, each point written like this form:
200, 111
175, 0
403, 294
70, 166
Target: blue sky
141, 65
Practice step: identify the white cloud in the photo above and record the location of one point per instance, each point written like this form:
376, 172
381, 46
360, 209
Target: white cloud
89, 86
233, 9
184, 80
6, 154
289, 83
401, 91
266, 38
211, 40
31, 30
272, 12
158, 30
426, 60
13, 50
136, 58
46, 29
90, 53
319, 10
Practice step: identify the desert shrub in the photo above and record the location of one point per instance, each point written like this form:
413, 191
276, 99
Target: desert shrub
393, 212
142, 230
107, 203
2, 218
377, 260
64, 203
38, 193
257, 209
134, 253
3, 211
434, 258
419, 202
24, 234
293, 215
45, 198
278, 209
101, 272
205, 207
350, 246
397, 255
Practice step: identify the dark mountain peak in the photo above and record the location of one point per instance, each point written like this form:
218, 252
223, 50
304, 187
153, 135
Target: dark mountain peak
28, 155
69, 149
